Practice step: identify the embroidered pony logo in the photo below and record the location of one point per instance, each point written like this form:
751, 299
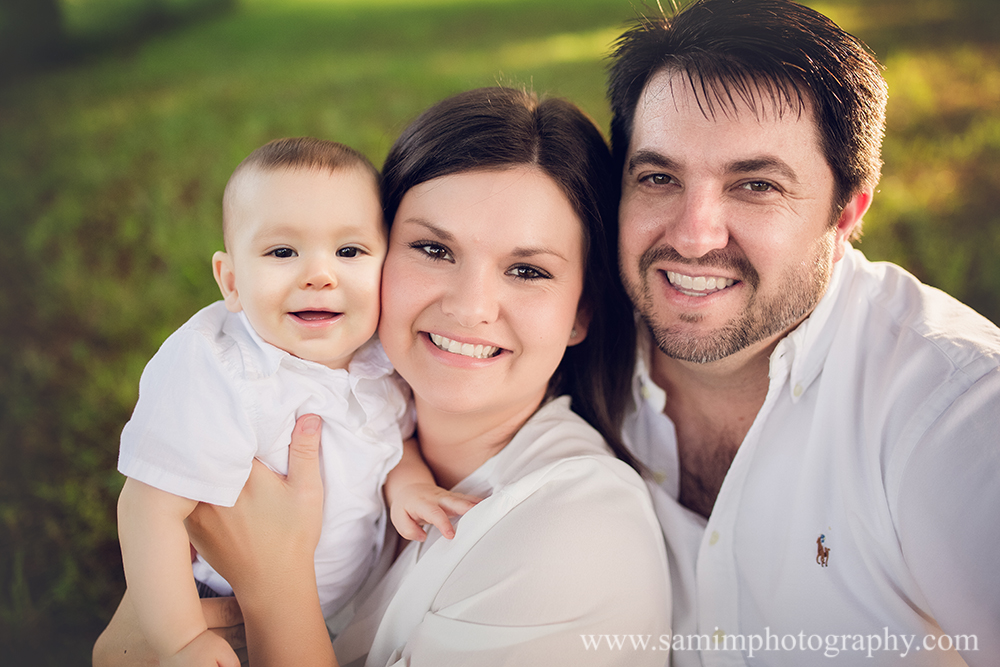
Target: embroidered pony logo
822, 553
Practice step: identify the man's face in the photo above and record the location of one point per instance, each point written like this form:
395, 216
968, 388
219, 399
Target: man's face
727, 223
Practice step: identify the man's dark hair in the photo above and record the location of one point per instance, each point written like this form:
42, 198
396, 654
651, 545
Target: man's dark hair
501, 128
757, 50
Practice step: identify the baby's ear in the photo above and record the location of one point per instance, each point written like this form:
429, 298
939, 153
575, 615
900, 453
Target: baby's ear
225, 276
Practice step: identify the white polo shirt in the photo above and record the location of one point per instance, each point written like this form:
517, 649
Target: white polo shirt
880, 432
215, 396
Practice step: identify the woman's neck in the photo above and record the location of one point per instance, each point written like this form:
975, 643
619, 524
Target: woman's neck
455, 445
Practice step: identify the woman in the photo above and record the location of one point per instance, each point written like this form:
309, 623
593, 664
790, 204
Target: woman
502, 309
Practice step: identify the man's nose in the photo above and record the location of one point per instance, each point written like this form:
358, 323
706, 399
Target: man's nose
699, 225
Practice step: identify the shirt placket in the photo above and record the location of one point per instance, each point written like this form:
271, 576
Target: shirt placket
716, 576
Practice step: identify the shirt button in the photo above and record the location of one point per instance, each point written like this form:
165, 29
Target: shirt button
797, 391
644, 390
713, 538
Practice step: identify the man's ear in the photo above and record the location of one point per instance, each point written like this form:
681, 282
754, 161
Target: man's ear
850, 219
225, 276
580, 324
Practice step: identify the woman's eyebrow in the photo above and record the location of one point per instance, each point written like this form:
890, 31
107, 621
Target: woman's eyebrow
522, 252
442, 234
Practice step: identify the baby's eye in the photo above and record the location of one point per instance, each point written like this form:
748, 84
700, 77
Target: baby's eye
283, 253
349, 251
526, 272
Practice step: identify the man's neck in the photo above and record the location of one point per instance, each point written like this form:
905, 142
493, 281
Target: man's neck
455, 445
712, 407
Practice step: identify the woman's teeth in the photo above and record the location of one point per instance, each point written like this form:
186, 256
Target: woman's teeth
698, 285
465, 349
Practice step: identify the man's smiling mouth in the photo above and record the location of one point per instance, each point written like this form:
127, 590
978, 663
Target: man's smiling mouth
698, 285
464, 349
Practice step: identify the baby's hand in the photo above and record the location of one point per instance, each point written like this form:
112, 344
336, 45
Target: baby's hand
206, 650
419, 504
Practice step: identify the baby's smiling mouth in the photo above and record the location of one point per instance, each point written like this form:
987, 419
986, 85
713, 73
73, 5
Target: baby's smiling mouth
315, 315
464, 349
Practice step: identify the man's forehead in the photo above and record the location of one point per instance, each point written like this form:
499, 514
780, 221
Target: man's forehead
715, 97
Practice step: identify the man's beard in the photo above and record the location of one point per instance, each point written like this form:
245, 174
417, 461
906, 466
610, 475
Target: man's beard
763, 316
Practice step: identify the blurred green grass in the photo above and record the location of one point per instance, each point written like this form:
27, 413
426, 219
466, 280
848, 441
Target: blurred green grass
112, 169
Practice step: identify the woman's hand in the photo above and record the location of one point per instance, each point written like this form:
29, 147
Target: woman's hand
275, 523
265, 546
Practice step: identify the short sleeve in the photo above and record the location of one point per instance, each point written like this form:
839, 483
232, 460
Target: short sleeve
190, 433
579, 560
947, 509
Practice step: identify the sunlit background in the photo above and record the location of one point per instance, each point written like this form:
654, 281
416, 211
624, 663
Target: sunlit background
120, 121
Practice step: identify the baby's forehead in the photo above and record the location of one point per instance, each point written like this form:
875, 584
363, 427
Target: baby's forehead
250, 183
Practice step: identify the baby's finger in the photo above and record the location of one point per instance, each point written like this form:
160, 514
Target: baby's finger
437, 517
457, 504
408, 528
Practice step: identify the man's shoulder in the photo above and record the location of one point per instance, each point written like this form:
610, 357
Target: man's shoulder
894, 311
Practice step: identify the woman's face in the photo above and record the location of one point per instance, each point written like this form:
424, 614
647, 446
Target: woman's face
480, 289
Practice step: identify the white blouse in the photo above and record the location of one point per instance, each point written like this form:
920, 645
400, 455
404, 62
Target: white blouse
565, 548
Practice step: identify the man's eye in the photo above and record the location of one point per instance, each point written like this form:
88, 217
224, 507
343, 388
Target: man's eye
348, 251
527, 273
283, 253
659, 179
758, 186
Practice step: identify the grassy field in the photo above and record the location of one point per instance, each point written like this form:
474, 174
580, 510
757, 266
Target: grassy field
112, 170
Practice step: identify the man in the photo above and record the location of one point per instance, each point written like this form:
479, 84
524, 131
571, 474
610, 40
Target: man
821, 431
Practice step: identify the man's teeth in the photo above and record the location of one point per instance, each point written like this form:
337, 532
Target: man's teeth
698, 285
465, 349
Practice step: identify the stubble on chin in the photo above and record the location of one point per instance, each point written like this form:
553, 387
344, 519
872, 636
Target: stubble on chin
762, 317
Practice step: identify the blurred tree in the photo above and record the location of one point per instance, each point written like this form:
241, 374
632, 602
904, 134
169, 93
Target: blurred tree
31, 31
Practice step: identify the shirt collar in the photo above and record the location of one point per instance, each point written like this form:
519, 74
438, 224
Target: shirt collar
369, 361
802, 353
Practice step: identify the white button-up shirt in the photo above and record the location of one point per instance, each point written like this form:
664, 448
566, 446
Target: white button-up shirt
879, 442
563, 552
215, 396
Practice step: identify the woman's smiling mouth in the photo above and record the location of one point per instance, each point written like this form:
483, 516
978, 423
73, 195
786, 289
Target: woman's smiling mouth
464, 349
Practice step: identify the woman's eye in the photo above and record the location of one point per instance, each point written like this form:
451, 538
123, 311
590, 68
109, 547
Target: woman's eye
432, 250
283, 253
527, 273
348, 251
659, 179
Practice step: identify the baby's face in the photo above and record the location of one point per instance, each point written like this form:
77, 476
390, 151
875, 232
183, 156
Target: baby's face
304, 260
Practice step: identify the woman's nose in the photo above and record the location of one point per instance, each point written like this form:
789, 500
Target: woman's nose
472, 298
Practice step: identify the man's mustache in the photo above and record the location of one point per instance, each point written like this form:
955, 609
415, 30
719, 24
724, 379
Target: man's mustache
728, 259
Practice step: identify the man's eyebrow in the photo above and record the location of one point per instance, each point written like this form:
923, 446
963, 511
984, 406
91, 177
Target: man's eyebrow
651, 159
763, 164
